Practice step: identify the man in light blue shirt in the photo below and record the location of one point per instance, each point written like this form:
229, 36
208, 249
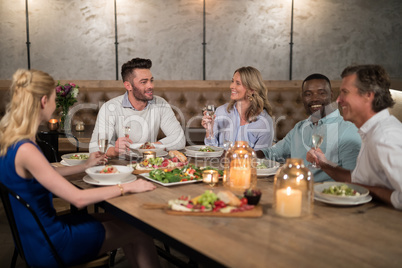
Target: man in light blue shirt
341, 141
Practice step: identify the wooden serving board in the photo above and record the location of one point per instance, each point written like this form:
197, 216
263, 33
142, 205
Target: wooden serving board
254, 213
138, 172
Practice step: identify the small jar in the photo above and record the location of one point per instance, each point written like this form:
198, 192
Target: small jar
80, 126
240, 167
53, 124
210, 177
148, 154
293, 190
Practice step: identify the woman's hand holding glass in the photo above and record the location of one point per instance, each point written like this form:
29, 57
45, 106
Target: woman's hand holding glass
208, 120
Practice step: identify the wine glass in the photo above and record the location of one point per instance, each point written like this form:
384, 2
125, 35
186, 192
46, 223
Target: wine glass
210, 111
103, 142
127, 130
317, 139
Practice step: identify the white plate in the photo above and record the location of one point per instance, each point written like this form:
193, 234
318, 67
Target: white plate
202, 154
89, 180
194, 151
135, 147
158, 154
363, 200
271, 170
64, 163
146, 175
319, 187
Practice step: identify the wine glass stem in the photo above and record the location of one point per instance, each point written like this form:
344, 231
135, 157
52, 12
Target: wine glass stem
210, 131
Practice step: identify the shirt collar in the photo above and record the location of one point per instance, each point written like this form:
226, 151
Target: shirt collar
127, 104
369, 124
328, 119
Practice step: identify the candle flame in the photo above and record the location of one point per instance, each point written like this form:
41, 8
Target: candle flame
53, 121
288, 191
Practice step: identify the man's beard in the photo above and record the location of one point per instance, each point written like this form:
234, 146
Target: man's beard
138, 95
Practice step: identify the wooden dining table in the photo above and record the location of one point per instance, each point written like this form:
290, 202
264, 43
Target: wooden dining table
368, 235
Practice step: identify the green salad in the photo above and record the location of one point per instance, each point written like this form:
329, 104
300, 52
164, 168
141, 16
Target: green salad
261, 166
341, 190
187, 173
206, 149
79, 156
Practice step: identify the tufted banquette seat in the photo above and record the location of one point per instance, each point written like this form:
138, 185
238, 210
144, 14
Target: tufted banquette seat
187, 98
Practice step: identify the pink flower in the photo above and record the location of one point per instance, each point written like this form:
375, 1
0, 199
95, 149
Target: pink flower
72, 84
58, 89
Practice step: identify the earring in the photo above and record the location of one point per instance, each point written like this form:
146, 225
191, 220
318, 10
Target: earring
250, 97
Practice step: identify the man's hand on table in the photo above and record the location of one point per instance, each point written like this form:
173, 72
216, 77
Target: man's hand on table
96, 158
121, 146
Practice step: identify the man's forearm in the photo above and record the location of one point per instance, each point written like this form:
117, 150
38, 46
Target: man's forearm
336, 172
380, 193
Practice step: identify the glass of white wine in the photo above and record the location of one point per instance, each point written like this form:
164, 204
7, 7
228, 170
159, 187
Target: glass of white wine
210, 110
103, 142
127, 130
317, 139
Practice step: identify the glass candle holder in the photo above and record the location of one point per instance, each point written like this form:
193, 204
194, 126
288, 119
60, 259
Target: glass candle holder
148, 154
211, 177
293, 190
80, 126
240, 171
53, 124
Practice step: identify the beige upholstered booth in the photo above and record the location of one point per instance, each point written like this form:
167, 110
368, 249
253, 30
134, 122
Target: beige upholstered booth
188, 97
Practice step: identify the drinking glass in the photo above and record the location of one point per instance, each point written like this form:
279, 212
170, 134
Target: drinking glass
127, 131
317, 139
210, 110
103, 141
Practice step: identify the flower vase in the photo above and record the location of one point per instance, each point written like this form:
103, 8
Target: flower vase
64, 119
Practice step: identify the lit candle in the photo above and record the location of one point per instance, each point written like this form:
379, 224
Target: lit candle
240, 177
53, 124
210, 176
148, 154
288, 202
80, 126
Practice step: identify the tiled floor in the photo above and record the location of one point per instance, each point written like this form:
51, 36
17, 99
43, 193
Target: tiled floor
7, 248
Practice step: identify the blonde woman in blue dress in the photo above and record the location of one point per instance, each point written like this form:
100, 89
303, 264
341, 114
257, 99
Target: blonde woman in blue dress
25, 170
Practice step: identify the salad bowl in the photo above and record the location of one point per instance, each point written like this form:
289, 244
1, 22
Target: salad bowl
123, 173
75, 158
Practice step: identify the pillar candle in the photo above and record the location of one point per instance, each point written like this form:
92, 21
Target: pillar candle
240, 177
288, 202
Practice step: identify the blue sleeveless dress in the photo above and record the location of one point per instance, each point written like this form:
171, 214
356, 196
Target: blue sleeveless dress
77, 238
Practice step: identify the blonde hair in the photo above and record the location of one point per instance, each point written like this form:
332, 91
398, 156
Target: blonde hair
22, 112
252, 80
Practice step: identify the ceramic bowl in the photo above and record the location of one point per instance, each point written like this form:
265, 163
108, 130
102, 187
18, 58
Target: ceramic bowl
72, 162
135, 147
318, 188
124, 172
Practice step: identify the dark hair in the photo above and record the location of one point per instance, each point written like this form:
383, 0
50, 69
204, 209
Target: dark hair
136, 63
372, 78
316, 76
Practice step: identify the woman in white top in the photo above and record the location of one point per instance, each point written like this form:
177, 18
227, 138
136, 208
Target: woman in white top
247, 117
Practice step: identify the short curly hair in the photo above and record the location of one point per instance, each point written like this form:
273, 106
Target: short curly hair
372, 78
